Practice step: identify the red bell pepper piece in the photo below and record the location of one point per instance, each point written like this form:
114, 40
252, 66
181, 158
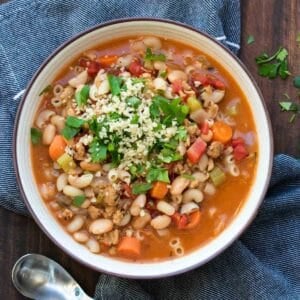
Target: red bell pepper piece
195, 151
135, 68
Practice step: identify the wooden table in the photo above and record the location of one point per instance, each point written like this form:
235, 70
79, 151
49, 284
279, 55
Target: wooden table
273, 23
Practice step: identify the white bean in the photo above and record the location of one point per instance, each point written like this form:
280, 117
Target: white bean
174, 75
209, 189
165, 208
78, 80
178, 185
138, 203
192, 195
93, 246
152, 42
80, 181
58, 121
101, 226
81, 236
75, 224
141, 221
126, 219
72, 191
203, 162
43, 117
61, 181
161, 222
89, 166
188, 208
49, 134
124, 61
159, 84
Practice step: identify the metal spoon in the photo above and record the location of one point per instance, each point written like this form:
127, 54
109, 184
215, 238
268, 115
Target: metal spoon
38, 277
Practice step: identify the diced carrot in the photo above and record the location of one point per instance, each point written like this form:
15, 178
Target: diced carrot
57, 147
177, 86
240, 152
196, 150
129, 247
107, 60
159, 190
221, 132
193, 220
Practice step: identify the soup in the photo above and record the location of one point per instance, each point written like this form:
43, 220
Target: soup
143, 148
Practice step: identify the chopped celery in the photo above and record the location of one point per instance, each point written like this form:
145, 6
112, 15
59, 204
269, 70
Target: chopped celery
232, 110
66, 162
217, 176
193, 103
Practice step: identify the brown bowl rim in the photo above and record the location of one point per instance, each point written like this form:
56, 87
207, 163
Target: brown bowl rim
71, 40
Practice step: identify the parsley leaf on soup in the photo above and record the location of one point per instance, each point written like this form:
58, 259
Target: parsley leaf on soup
36, 136
154, 57
82, 96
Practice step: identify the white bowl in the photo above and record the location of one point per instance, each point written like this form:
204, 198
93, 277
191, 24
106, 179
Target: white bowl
63, 56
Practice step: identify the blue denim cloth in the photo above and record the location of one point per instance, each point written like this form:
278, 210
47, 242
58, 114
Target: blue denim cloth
265, 262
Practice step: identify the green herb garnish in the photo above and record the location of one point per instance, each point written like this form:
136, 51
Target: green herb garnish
97, 150
69, 132
290, 106
82, 96
140, 188
273, 66
133, 102
115, 84
154, 57
36, 136
47, 89
296, 82
74, 122
157, 174
250, 39
298, 39
78, 200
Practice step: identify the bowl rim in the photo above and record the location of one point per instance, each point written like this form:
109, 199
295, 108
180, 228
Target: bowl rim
45, 63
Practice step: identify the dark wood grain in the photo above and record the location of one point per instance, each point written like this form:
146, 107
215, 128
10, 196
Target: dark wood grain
273, 23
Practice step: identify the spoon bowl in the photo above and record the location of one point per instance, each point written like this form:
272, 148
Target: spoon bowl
38, 277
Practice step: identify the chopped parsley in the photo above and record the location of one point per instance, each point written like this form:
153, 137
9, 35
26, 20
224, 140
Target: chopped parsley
274, 65
250, 39
290, 106
36, 136
72, 127
78, 200
114, 84
98, 150
140, 188
157, 174
82, 96
154, 57
47, 89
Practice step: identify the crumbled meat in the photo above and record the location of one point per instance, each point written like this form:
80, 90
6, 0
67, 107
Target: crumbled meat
93, 212
215, 149
67, 214
117, 217
79, 152
110, 238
